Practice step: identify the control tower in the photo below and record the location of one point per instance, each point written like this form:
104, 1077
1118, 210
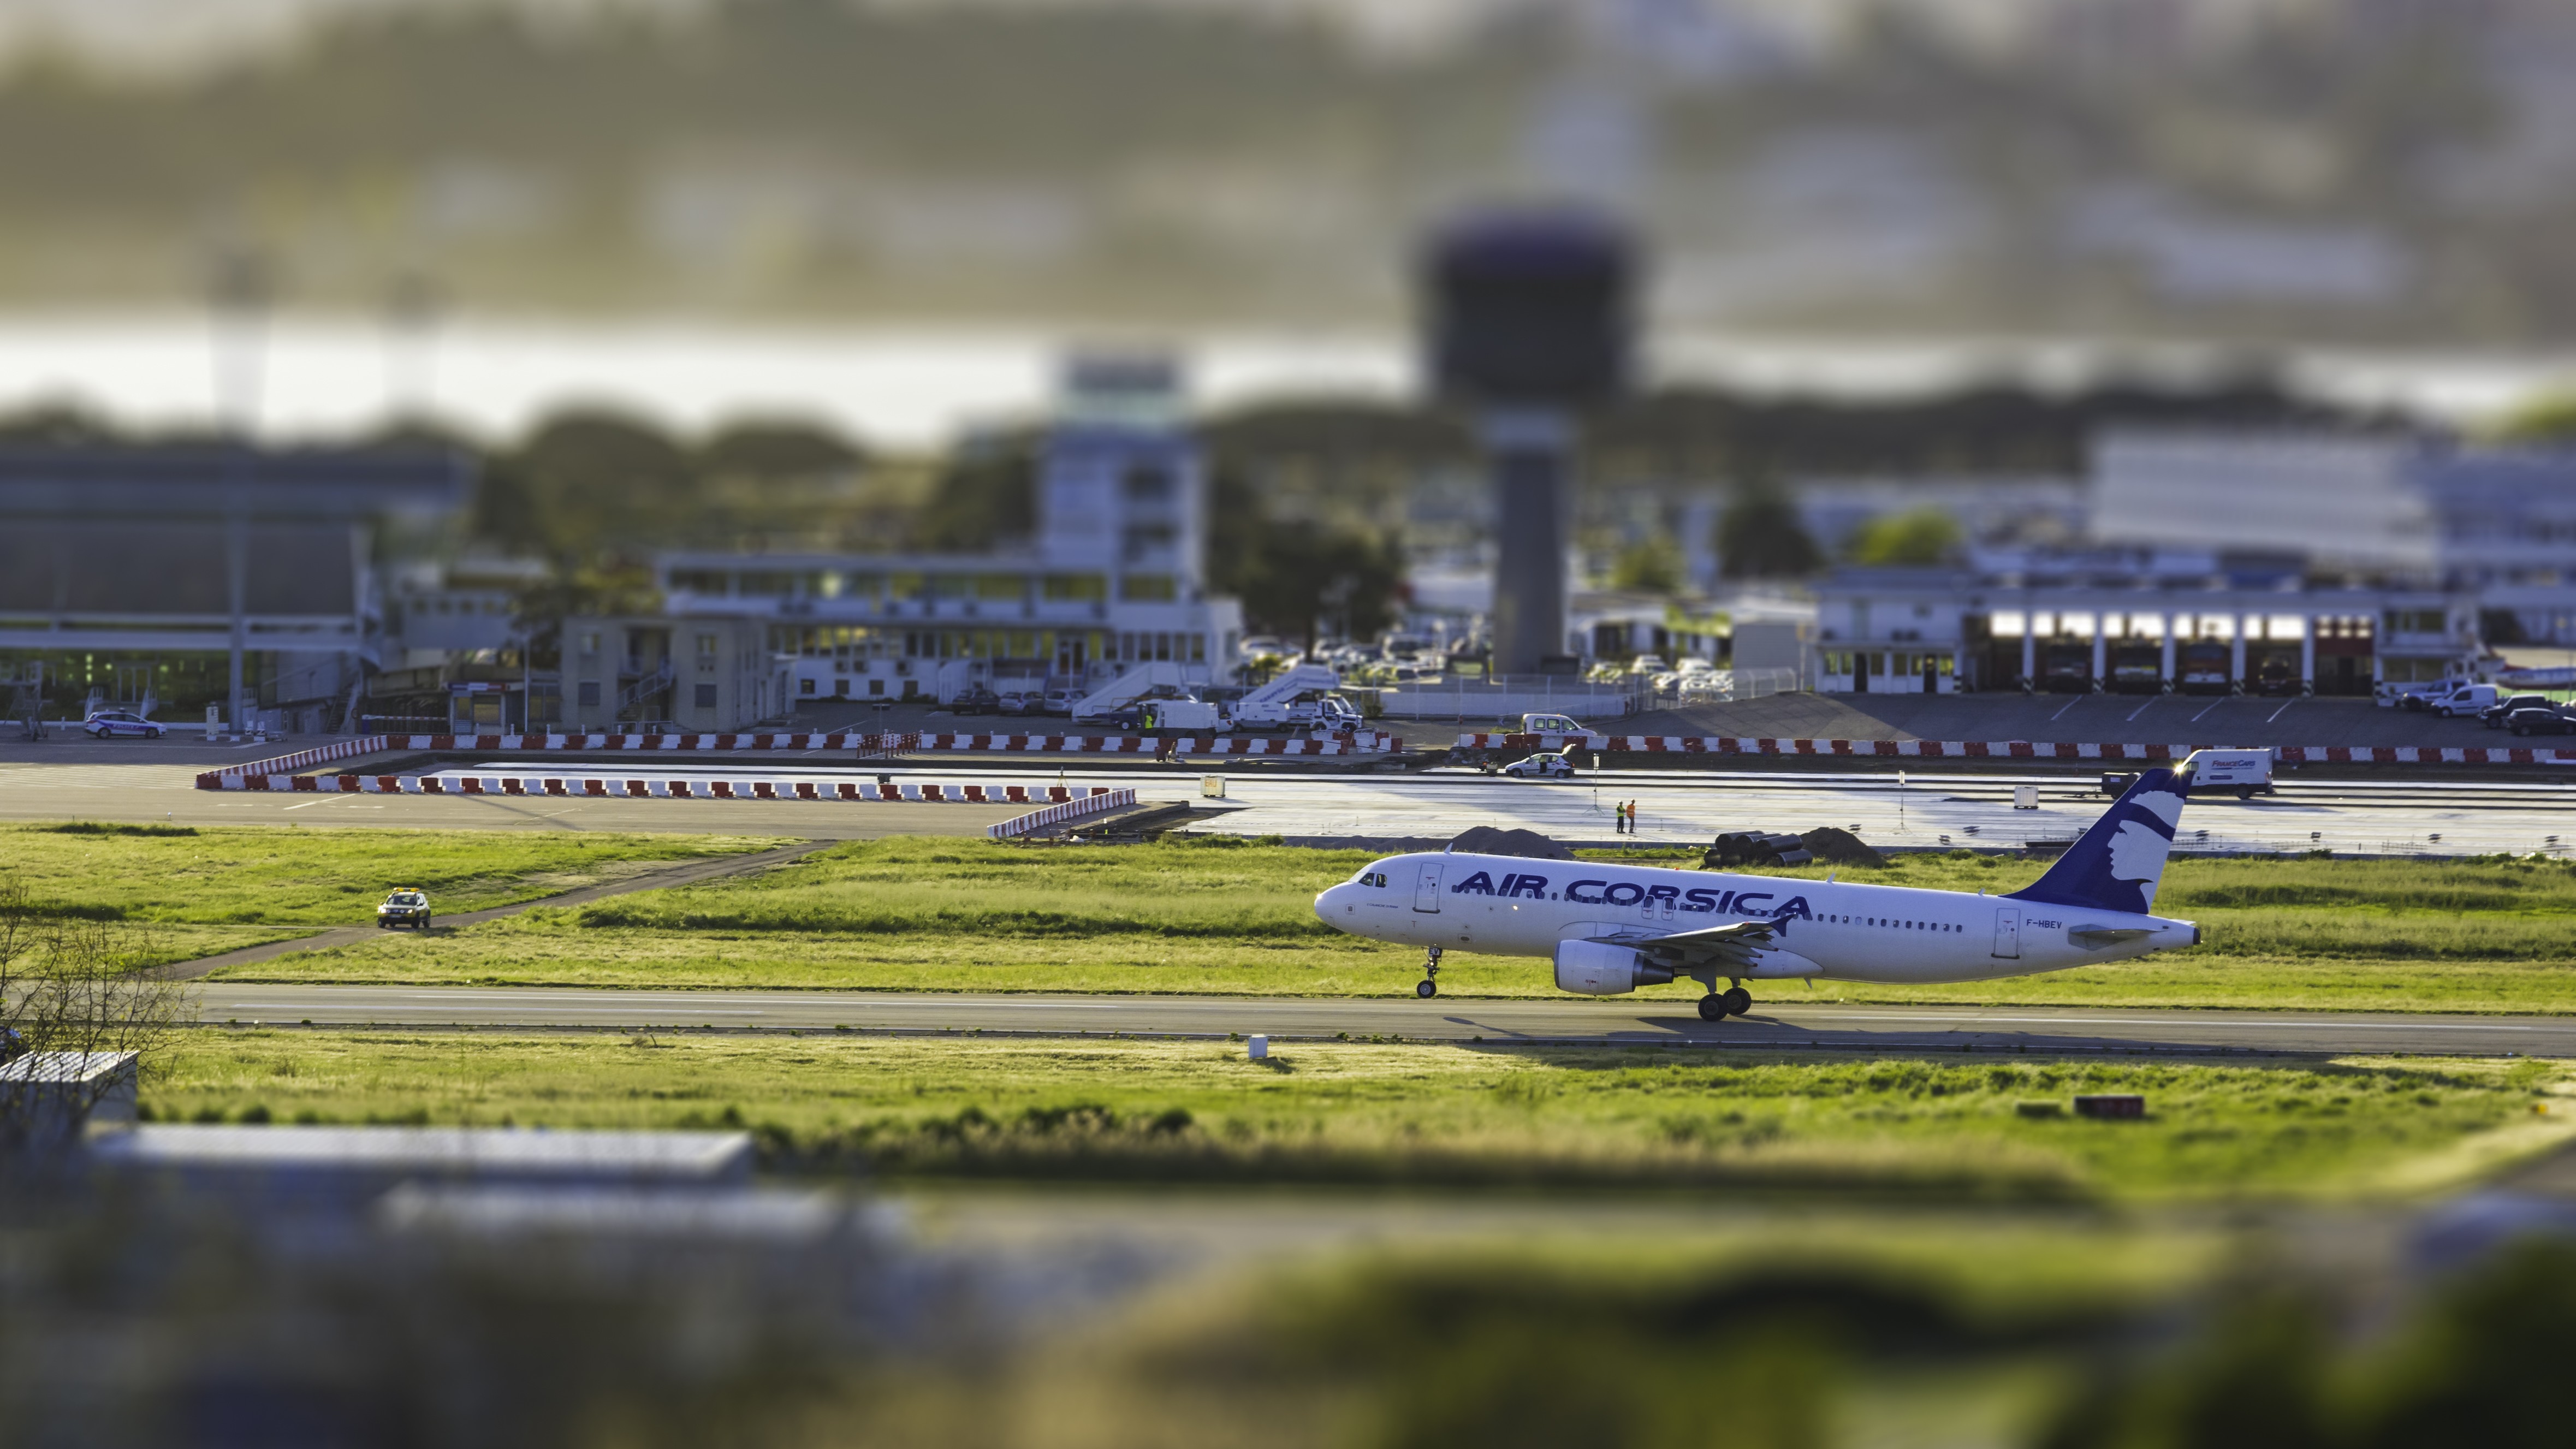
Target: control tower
1528, 326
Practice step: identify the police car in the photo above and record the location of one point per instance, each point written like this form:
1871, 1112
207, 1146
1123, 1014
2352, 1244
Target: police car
119, 722
408, 906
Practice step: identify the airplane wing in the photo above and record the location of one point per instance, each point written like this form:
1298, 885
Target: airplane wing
1733, 943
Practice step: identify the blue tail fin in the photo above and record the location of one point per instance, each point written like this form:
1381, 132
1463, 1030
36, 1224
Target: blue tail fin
2116, 865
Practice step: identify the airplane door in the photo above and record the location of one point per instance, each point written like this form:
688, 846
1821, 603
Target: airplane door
2008, 932
1426, 888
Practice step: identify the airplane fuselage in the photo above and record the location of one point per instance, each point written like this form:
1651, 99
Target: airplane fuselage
1508, 906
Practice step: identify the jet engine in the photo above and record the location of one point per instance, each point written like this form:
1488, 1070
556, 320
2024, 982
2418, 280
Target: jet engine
1596, 968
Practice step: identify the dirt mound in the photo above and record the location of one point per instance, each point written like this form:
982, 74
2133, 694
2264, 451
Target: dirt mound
1528, 844
1839, 847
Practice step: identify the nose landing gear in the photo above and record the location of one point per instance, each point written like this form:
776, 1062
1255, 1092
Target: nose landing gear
1430, 984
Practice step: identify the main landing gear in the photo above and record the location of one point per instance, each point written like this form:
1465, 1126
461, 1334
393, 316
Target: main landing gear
1430, 984
1719, 1005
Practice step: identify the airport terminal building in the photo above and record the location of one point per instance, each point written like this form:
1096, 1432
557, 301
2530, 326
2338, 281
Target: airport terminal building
1113, 578
2234, 564
231, 577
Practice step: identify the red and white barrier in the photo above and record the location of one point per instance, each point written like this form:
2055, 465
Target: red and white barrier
1096, 803
300, 760
662, 788
2021, 749
1365, 742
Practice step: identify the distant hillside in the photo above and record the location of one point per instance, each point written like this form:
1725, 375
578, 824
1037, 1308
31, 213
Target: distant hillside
2384, 172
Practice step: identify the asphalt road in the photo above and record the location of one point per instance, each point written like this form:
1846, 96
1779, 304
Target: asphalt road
1657, 1022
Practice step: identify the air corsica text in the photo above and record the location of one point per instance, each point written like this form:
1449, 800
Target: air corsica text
1701, 900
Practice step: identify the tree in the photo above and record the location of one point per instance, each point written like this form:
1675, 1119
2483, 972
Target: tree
985, 494
1293, 575
2549, 418
1653, 567
68, 983
1921, 537
1761, 537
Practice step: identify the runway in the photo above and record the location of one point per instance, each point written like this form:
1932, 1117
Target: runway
1662, 1021
1891, 809
1894, 810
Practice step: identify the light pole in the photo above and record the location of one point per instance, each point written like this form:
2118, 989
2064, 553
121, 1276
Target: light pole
237, 293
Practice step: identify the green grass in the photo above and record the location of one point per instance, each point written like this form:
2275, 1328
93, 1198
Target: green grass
1388, 1112
273, 876
1222, 917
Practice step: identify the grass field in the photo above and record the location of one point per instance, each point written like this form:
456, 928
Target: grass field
195, 892
1210, 917
1395, 1113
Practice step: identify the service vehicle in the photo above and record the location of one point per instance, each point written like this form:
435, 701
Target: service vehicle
1297, 698
2462, 700
1551, 724
1190, 715
2204, 668
111, 722
2248, 773
1545, 765
2541, 722
408, 906
2494, 715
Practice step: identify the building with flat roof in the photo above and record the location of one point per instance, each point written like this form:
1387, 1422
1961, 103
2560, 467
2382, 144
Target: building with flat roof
2218, 562
229, 575
1113, 578
1939, 631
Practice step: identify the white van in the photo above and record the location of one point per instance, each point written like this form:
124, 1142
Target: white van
2247, 772
2462, 699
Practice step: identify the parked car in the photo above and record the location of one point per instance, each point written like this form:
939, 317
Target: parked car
2393, 694
2541, 722
975, 699
2494, 715
109, 722
1019, 702
1060, 700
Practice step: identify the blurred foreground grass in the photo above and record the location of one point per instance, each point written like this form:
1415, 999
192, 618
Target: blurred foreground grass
1236, 918
1392, 1113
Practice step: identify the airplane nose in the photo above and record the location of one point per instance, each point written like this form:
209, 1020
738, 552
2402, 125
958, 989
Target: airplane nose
1324, 904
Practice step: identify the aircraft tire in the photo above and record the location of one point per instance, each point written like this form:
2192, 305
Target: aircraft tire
1426, 989
1738, 1000
1712, 1008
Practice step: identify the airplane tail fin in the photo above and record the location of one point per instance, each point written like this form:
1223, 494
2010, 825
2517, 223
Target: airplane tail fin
2116, 865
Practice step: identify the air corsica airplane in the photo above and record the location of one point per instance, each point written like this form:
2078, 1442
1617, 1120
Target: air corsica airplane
1614, 928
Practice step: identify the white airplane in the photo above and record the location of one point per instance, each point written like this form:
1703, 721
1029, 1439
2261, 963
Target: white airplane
1614, 928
